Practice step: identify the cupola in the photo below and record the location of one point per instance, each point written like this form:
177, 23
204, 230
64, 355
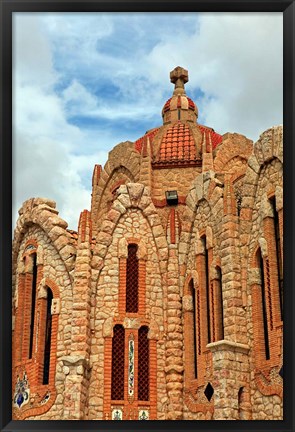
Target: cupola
179, 106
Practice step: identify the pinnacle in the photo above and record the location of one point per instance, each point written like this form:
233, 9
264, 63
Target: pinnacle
179, 76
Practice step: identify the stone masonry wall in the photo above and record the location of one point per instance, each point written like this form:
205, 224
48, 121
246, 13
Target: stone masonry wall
231, 207
172, 179
144, 227
53, 270
263, 179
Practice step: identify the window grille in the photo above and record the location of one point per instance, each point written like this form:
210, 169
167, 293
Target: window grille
118, 358
143, 364
132, 280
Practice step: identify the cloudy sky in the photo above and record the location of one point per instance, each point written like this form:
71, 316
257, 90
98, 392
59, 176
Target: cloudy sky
83, 82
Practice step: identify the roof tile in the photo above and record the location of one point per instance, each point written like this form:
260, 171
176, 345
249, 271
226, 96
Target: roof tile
177, 145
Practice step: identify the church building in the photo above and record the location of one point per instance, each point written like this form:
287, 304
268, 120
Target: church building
167, 302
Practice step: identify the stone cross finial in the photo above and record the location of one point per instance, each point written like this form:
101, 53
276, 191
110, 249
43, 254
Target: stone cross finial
179, 76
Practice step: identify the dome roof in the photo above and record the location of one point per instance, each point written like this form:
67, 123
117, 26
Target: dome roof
177, 147
181, 141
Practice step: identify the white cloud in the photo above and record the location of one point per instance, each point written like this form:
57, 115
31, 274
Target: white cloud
234, 59
80, 102
237, 60
44, 143
31, 52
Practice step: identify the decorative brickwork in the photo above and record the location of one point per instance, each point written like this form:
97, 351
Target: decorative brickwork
157, 310
132, 280
118, 367
143, 365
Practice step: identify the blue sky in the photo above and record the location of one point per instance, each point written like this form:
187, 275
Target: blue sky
83, 82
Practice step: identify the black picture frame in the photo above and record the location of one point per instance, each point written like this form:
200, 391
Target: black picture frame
7, 8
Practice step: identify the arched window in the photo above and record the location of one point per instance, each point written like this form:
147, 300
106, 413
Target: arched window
192, 327
33, 303
278, 251
143, 364
205, 274
244, 406
260, 265
132, 279
118, 360
47, 344
219, 305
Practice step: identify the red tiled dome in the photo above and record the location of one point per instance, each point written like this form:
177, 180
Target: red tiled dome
177, 147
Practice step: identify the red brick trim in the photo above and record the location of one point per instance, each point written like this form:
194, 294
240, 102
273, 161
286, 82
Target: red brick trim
42, 309
107, 377
176, 164
153, 379
54, 288
189, 343
274, 333
211, 294
172, 226
217, 307
198, 318
213, 305
258, 332
130, 404
281, 222
84, 225
34, 367
191, 401
203, 355
38, 410
27, 315
96, 174
122, 286
19, 317
266, 387
141, 286
117, 185
272, 272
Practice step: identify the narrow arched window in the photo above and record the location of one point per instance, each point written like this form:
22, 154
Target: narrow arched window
205, 273
263, 304
143, 364
279, 260
132, 279
219, 305
193, 328
240, 401
47, 345
118, 359
33, 304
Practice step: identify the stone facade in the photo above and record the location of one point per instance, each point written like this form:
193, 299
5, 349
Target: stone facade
167, 302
